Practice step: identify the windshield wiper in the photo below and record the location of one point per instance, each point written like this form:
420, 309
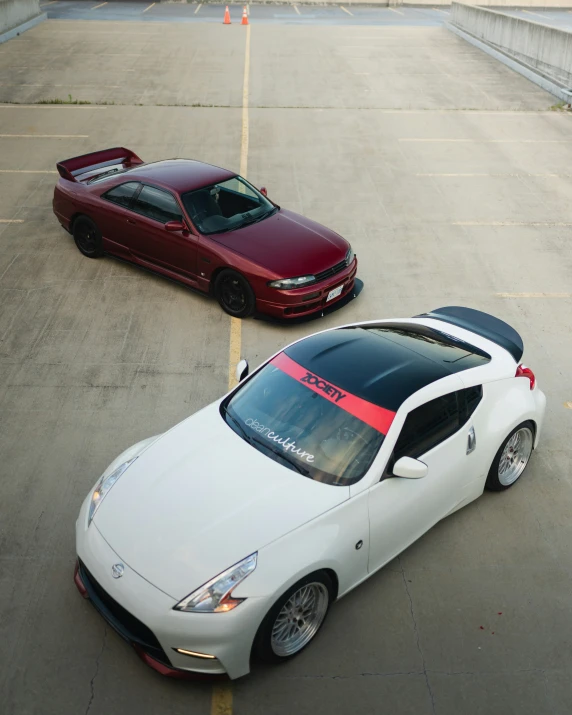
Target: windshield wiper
243, 432
297, 467
253, 440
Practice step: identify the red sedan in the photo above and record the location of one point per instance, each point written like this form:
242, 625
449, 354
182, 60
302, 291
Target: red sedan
205, 227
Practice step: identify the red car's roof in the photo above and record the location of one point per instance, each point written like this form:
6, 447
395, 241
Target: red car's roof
181, 174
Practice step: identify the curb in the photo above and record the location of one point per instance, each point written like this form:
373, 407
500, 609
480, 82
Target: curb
19, 29
531, 73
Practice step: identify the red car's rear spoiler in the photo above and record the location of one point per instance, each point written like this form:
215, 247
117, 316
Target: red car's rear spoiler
89, 163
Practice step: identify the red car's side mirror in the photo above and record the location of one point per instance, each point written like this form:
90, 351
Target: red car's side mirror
263, 191
175, 226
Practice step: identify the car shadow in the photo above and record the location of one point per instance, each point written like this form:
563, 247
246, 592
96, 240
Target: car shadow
352, 295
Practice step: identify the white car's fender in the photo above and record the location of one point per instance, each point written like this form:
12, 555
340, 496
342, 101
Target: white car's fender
508, 403
134, 451
337, 540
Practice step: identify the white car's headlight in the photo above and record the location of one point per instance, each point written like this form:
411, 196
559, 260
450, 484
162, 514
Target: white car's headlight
289, 283
104, 485
215, 596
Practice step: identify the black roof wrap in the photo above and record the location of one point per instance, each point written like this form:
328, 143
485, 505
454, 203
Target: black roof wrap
483, 324
384, 364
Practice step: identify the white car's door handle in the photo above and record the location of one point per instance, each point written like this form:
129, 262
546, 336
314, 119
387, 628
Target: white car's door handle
471, 440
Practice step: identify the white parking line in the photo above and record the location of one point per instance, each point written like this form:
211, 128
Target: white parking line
27, 171
49, 106
511, 223
44, 136
489, 141
397, 11
296, 9
445, 12
100, 5
150, 6
503, 176
536, 14
199, 6
348, 12
11, 220
49, 3
534, 295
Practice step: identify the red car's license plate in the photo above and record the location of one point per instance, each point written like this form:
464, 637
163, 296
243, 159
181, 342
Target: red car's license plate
334, 293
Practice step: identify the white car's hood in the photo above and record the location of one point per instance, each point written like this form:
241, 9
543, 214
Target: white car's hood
199, 499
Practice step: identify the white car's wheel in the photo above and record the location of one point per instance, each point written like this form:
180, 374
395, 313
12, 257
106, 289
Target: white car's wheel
512, 458
295, 619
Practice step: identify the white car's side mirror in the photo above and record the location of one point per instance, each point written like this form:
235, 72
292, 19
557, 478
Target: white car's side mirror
409, 468
241, 370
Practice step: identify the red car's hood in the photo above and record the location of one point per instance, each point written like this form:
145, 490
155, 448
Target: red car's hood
287, 244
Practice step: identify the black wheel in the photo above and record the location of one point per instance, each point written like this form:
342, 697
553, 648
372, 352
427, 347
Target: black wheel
512, 458
87, 237
234, 294
294, 620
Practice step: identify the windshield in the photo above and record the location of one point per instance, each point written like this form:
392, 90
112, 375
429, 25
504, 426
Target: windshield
307, 424
227, 206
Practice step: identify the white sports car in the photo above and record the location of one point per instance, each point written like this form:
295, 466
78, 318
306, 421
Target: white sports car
228, 537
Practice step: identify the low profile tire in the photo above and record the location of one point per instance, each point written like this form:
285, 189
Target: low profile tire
87, 237
294, 620
234, 294
512, 458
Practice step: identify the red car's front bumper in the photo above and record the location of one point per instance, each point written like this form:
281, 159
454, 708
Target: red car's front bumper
305, 301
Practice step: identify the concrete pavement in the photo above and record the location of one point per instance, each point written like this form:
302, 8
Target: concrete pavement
453, 182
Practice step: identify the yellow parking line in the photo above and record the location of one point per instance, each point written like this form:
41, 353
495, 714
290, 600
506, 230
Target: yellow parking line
44, 136
11, 220
221, 703
534, 295
198, 8
235, 323
100, 5
296, 9
148, 8
568, 405
27, 171
344, 9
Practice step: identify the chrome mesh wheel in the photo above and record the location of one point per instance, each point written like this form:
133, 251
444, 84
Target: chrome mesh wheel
299, 619
515, 456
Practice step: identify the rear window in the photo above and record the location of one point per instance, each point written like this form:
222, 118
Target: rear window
307, 424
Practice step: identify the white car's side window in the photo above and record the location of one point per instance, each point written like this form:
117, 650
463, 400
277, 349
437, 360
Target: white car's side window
427, 426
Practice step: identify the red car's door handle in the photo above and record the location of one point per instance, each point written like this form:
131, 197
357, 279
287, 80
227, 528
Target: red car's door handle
130, 220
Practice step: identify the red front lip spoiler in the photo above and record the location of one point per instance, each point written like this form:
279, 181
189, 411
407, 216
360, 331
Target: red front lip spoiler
161, 668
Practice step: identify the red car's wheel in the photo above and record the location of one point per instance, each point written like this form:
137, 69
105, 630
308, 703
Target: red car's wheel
234, 294
87, 237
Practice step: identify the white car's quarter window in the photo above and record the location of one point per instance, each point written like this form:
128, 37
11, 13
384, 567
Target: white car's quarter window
307, 424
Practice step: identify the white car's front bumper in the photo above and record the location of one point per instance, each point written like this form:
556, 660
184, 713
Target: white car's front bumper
144, 615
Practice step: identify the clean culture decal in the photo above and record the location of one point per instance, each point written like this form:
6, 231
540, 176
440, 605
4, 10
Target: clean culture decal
373, 415
287, 444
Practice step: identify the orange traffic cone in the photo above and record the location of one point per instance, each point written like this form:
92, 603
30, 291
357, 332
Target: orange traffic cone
226, 20
244, 16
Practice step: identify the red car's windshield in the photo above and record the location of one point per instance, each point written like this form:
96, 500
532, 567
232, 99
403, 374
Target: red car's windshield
226, 206
307, 424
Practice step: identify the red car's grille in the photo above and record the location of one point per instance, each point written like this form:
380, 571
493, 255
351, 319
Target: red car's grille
331, 271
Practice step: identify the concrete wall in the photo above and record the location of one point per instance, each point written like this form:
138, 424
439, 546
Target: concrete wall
17, 12
544, 48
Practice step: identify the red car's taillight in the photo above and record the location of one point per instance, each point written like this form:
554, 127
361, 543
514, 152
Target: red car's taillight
523, 371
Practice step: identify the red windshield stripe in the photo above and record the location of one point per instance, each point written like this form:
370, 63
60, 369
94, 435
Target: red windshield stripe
377, 417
